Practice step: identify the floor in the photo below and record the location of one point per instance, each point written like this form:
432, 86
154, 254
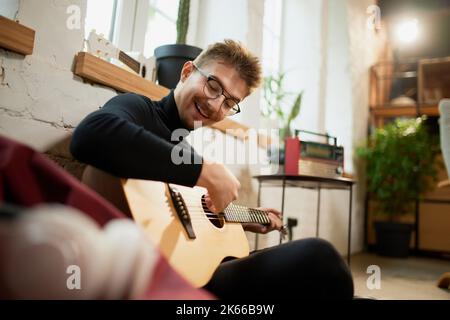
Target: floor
413, 278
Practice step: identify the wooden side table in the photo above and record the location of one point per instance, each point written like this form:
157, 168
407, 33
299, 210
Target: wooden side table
309, 182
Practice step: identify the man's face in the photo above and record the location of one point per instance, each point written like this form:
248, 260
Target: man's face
193, 105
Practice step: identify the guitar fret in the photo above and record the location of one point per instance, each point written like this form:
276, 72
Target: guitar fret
247, 215
234, 213
260, 219
266, 218
254, 219
243, 214
252, 216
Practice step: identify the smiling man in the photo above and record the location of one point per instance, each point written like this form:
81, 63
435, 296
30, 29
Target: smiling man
130, 137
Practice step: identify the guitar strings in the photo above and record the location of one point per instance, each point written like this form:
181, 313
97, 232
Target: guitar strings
232, 206
200, 214
227, 221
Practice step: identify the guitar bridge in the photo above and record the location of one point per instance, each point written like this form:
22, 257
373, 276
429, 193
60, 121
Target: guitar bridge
182, 211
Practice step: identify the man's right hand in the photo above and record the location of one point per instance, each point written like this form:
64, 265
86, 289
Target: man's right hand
221, 184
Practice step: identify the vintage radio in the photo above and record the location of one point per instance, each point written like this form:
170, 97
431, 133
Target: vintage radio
313, 158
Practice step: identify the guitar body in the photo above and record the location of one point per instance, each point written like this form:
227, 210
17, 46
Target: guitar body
152, 207
195, 259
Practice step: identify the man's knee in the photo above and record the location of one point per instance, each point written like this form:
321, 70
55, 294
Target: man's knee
322, 256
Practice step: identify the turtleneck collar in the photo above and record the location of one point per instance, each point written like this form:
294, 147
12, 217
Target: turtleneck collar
170, 112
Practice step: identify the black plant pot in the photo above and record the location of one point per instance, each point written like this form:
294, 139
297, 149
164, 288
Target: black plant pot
170, 60
393, 239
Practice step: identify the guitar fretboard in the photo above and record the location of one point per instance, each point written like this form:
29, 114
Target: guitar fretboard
130, 62
235, 213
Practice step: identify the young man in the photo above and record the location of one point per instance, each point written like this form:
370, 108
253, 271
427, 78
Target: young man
130, 137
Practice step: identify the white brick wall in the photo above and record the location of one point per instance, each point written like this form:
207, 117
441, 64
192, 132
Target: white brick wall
41, 100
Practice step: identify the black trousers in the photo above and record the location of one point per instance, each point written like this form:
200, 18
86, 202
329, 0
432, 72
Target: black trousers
302, 269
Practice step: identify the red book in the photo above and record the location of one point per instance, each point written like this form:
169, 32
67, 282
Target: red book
291, 155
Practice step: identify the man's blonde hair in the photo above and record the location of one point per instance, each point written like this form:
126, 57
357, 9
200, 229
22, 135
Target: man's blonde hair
234, 54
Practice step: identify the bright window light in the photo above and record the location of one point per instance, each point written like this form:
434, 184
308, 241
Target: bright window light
101, 17
161, 27
407, 31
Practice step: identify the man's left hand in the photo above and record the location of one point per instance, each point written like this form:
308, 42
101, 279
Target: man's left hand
275, 222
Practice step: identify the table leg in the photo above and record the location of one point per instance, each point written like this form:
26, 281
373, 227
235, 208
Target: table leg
318, 212
349, 226
282, 207
258, 204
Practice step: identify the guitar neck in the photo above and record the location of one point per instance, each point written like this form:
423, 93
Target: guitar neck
235, 213
130, 62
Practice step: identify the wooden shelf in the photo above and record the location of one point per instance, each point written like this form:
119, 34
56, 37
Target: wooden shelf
100, 71
379, 114
16, 37
399, 111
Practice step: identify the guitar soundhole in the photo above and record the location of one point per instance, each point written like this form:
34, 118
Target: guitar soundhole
215, 219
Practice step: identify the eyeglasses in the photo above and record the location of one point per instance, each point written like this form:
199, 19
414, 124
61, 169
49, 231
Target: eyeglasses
213, 90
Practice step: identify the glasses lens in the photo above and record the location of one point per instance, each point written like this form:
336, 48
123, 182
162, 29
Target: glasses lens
230, 107
213, 89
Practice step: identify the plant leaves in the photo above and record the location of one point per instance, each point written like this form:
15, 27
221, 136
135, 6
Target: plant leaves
296, 108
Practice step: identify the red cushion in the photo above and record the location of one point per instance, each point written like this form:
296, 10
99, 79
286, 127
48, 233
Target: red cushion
28, 178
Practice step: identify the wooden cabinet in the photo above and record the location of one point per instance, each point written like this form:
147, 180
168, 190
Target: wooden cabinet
408, 89
432, 232
424, 83
433, 80
434, 226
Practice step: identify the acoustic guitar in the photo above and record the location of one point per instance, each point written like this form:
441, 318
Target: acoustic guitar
103, 48
176, 219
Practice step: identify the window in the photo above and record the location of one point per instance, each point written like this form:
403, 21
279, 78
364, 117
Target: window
271, 43
161, 27
9, 8
101, 16
271, 36
134, 25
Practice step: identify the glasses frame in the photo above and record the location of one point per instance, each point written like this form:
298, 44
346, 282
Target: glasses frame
210, 77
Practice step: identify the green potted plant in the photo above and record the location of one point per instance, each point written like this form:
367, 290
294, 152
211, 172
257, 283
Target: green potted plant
400, 164
171, 58
280, 106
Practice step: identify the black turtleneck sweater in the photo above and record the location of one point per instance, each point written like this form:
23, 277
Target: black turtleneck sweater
130, 137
